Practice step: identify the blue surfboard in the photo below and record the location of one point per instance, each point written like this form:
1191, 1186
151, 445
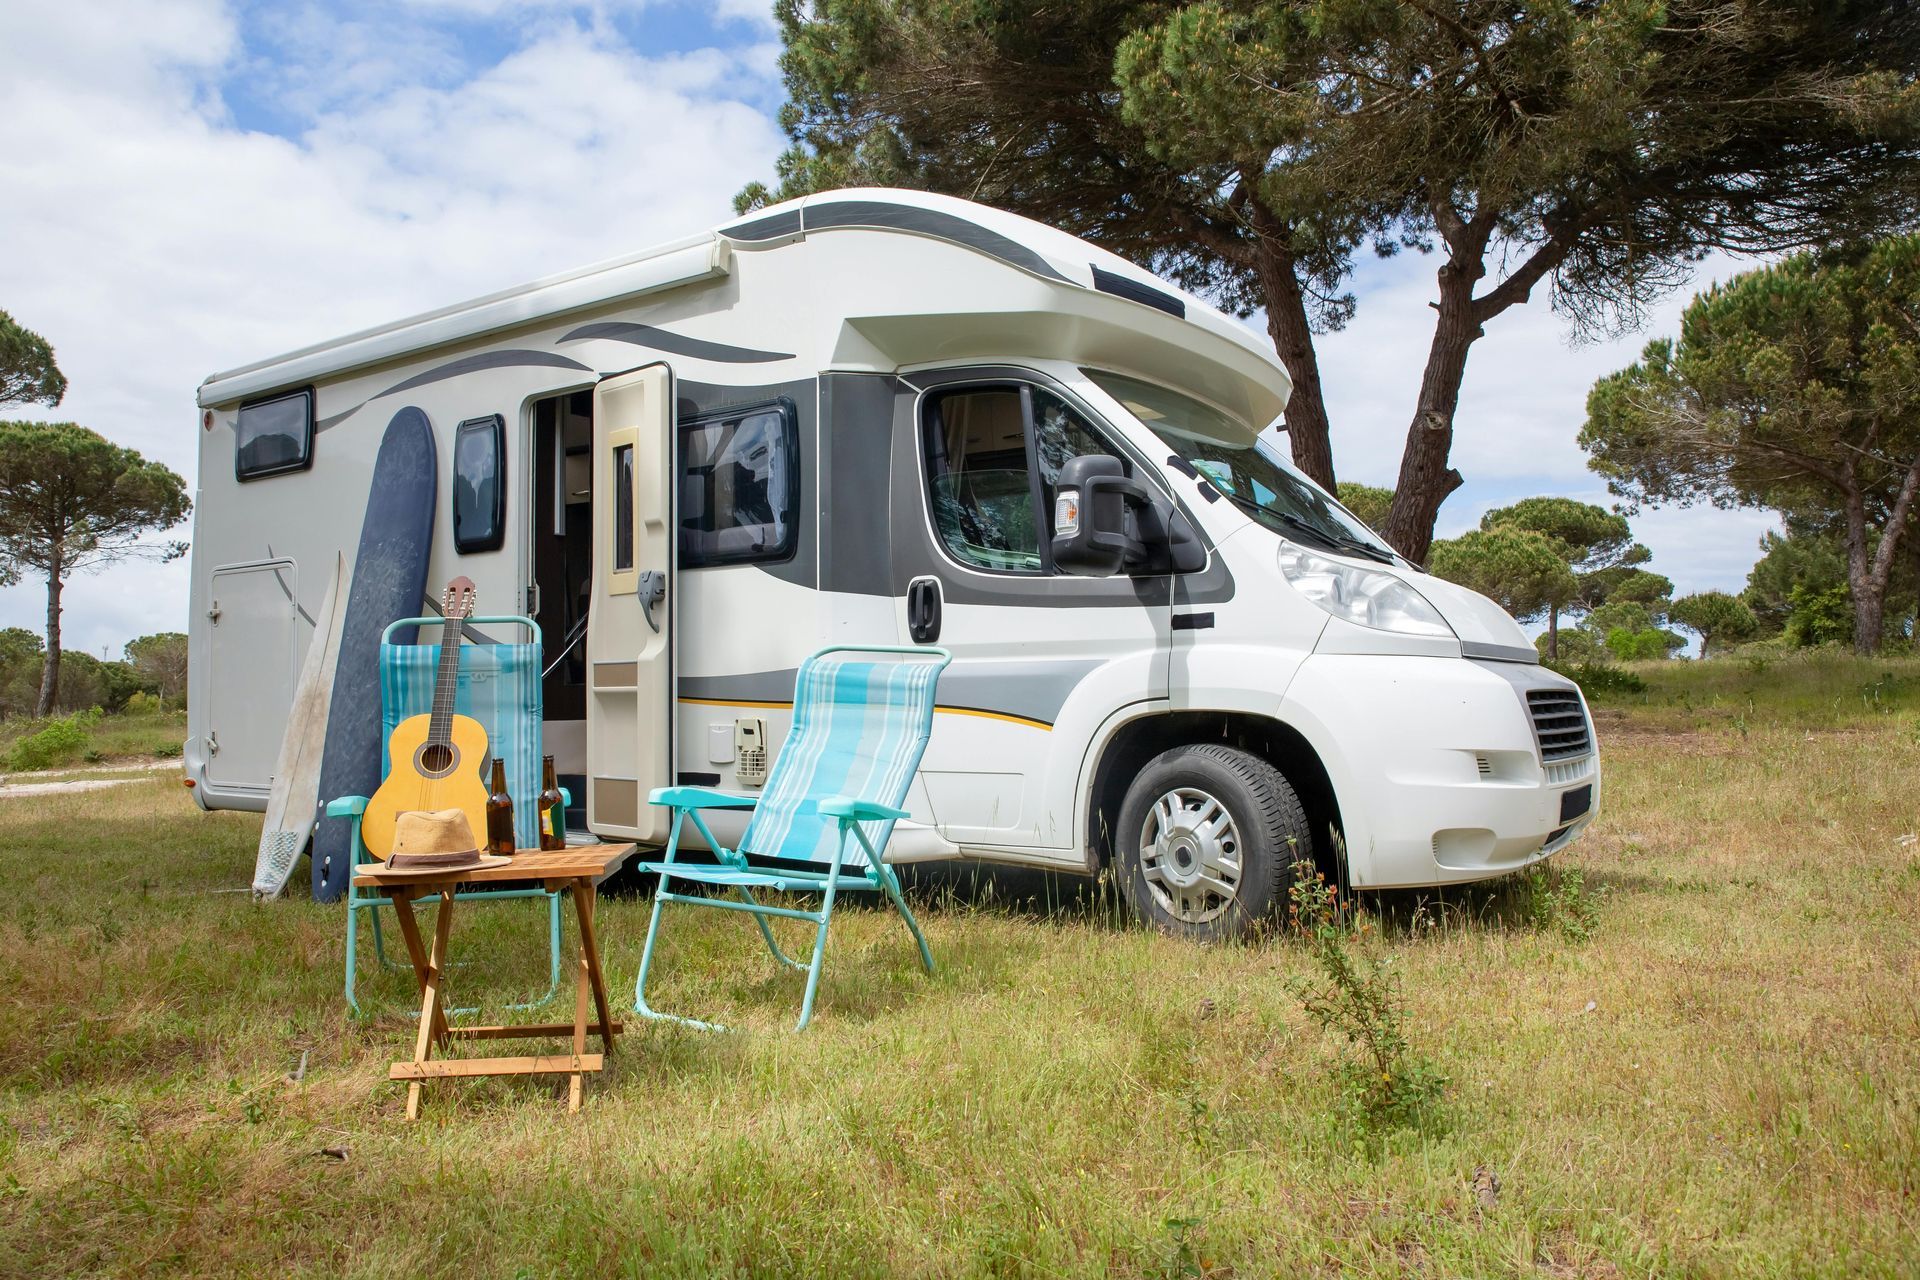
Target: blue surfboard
389, 582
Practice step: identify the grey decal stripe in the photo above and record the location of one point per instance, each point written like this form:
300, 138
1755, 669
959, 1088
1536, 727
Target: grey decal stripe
336, 419
931, 222
1024, 689
485, 360
1133, 291
287, 591
771, 227
645, 335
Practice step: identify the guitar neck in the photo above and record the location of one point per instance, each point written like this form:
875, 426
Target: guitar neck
440, 725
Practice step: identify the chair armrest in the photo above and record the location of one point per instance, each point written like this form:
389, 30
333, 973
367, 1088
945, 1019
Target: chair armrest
859, 810
347, 807
699, 798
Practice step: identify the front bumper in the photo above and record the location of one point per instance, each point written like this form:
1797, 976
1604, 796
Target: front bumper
1437, 765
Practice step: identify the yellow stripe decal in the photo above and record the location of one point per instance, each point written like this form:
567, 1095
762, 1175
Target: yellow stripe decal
1026, 721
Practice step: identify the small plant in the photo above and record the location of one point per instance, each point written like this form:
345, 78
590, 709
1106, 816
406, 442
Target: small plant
1558, 902
57, 742
1182, 1256
1384, 1083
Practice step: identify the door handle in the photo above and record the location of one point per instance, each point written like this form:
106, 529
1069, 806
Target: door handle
653, 589
923, 610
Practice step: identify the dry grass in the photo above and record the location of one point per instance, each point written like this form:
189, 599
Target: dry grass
1721, 1080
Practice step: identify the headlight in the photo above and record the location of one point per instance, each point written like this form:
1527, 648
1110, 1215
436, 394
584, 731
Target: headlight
1365, 597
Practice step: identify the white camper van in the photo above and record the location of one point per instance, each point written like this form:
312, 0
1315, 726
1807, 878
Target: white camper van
889, 417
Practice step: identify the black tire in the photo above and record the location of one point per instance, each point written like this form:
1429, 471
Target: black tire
1175, 886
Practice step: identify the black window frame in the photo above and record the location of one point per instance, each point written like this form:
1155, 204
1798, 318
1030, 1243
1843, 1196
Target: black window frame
789, 544
1097, 426
303, 463
496, 537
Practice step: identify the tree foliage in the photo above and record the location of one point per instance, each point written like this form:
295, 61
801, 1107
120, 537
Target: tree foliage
71, 500
1370, 502
161, 661
28, 374
1795, 387
1799, 558
1713, 616
1596, 545
1522, 570
1251, 148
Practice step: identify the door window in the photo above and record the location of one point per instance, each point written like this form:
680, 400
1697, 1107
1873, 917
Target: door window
989, 499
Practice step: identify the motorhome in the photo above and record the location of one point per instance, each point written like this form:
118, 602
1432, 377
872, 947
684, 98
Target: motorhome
876, 416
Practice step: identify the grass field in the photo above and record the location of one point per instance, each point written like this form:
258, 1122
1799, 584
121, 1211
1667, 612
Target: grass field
1716, 1077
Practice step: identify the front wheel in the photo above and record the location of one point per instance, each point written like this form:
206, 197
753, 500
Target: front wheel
1207, 839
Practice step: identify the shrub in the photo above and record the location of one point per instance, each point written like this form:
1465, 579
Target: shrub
1558, 901
1597, 679
1383, 1082
142, 703
58, 742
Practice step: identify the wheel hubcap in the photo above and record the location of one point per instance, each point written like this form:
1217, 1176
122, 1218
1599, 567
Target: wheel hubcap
1190, 855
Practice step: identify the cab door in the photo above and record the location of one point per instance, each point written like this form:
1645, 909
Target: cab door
1040, 658
630, 622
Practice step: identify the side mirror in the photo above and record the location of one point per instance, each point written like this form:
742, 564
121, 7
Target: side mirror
1096, 531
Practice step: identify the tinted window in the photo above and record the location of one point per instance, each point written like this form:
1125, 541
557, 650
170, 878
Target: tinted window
274, 435
739, 486
623, 507
980, 482
479, 484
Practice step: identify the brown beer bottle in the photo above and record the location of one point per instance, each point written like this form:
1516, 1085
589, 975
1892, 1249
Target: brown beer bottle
499, 812
553, 810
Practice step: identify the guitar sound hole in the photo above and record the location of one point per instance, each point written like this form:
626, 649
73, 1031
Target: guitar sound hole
436, 757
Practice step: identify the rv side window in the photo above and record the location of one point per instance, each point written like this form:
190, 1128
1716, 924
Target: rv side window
739, 486
985, 493
479, 484
273, 436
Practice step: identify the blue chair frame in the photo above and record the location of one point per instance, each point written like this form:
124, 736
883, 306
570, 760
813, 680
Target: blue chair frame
847, 812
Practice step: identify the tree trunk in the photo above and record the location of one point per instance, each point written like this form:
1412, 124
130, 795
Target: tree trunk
1868, 578
50, 672
1308, 431
1553, 632
1425, 478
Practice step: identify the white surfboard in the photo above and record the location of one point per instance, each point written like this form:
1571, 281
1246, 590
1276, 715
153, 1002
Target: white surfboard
293, 804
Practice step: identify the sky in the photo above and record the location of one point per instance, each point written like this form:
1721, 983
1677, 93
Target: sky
189, 185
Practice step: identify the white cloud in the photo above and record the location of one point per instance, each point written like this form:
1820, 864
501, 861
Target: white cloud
153, 240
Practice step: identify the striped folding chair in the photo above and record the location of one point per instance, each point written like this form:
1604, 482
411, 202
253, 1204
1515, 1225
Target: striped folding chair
861, 719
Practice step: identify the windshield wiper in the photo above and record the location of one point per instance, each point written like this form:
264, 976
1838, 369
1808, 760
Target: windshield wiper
1346, 542
1325, 537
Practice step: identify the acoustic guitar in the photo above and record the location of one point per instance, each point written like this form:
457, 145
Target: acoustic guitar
436, 758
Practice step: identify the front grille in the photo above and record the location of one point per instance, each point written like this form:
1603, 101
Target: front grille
1559, 724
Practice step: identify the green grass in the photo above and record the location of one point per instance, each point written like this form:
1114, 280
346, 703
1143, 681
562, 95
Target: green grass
110, 739
1812, 687
1697, 1061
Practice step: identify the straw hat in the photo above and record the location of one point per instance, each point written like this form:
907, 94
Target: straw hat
433, 844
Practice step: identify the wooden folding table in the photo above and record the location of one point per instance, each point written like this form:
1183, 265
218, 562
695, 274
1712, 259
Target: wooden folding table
577, 871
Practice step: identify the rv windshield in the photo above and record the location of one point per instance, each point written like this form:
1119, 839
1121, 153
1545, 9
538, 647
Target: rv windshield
1243, 467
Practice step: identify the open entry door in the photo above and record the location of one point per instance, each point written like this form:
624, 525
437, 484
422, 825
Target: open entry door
629, 626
